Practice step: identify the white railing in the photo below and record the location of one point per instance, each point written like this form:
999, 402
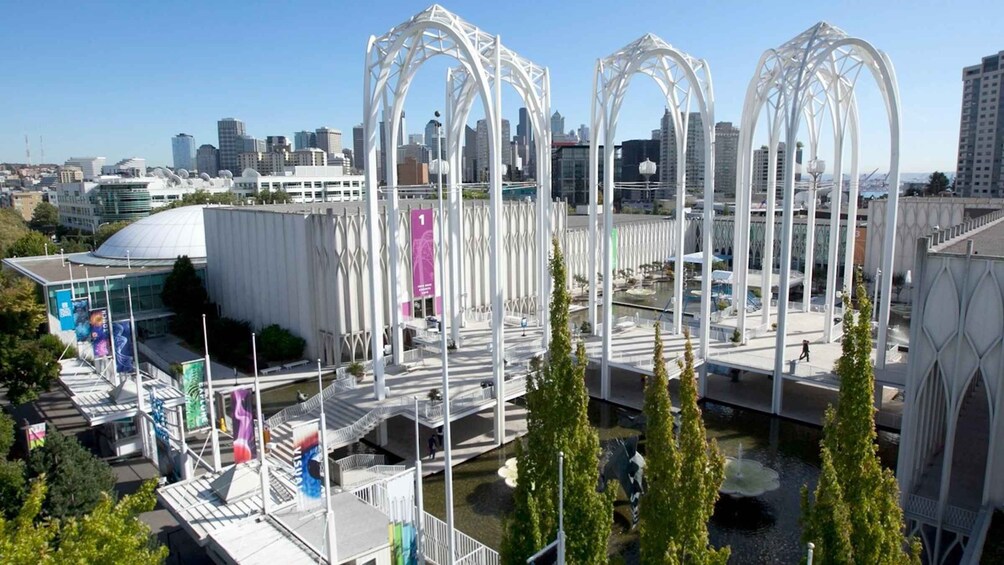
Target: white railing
960, 518
978, 536
922, 507
946, 235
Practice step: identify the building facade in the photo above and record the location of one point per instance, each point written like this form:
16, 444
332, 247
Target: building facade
726, 157
183, 151
633, 153
695, 155
330, 141
90, 166
304, 140
229, 132
761, 171
207, 160
304, 184
981, 131
358, 148
570, 173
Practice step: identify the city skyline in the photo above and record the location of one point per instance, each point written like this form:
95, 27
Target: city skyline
128, 118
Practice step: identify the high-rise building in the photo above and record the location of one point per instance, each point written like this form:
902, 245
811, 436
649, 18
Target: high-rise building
483, 163
761, 158
415, 151
430, 139
183, 150
304, 140
469, 154
383, 145
230, 131
981, 131
249, 144
570, 172
416, 139
207, 160
633, 153
695, 155
330, 141
89, 166
526, 145
278, 143
726, 154
583, 133
310, 157
358, 148
657, 134
557, 125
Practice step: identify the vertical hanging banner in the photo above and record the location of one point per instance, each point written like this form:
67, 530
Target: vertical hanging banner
613, 249
64, 309
423, 254
122, 338
100, 340
243, 419
193, 377
82, 319
159, 419
36, 435
307, 464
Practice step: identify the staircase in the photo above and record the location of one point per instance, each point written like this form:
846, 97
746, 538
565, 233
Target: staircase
339, 416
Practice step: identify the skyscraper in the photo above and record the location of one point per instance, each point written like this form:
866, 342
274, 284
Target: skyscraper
358, 149
726, 153
416, 139
583, 133
981, 131
557, 126
695, 155
761, 158
249, 144
207, 160
525, 144
229, 131
304, 140
430, 139
183, 150
633, 153
330, 141
469, 154
277, 143
483, 164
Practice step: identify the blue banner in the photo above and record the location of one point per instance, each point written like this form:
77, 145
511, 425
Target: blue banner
82, 318
122, 338
64, 309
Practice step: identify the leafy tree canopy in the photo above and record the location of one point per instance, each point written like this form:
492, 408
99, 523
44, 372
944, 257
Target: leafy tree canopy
276, 343
77, 481
183, 290
45, 218
27, 368
937, 183
201, 198
12, 227
105, 231
21, 313
31, 244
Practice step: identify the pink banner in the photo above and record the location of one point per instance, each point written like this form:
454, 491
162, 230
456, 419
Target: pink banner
423, 254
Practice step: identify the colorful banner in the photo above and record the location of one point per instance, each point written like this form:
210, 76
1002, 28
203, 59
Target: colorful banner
122, 338
36, 435
307, 464
64, 309
243, 424
193, 377
423, 254
159, 419
100, 340
82, 318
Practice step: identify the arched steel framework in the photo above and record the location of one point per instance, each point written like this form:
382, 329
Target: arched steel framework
681, 78
813, 74
532, 84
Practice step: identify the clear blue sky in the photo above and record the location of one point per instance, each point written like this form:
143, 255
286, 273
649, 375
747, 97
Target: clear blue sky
118, 79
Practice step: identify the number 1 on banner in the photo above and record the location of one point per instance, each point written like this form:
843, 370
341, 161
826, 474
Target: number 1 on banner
421, 220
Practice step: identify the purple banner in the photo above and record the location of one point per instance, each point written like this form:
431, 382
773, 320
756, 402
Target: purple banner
243, 423
423, 255
122, 333
100, 338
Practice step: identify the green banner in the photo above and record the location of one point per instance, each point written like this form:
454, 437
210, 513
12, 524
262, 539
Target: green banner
613, 254
193, 377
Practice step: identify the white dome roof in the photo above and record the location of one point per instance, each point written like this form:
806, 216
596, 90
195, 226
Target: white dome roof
160, 237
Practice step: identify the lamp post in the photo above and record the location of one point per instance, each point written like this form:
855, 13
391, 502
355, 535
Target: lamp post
646, 169
816, 169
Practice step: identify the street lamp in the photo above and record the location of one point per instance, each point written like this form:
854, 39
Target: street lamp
646, 169
816, 168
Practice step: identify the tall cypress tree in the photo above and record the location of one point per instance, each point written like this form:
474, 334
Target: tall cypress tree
557, 420
859, 486
683, 473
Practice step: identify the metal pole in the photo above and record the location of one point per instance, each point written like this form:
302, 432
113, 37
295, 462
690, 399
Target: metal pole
329, 515
447, 453
808, 557
561, 508
214, 433
108, 307
265, 499
140, 411
419, 502
875, 294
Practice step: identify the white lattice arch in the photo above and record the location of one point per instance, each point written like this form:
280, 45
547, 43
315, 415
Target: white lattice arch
815, 71
680, 77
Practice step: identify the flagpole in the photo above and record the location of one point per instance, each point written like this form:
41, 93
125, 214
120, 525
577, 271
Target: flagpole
447, 452
329, 515
73, 290
263, 465
140, 411
111, 334
87, 287
419, 504
214, 433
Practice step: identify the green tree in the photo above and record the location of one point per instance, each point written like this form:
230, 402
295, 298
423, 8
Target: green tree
12, 483
111, 533
77, 481
557, 420
27, 368
858, 485
183, 290
12, 227
21, 313
937, 183
279, 344
31, 244
105, 231
657, 527
45, 218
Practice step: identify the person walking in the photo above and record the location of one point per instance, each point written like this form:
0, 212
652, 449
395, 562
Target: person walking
432, 447
805, 351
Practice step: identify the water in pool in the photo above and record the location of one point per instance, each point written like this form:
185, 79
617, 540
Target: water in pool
759, 530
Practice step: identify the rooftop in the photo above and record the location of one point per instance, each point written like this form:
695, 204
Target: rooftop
987, 241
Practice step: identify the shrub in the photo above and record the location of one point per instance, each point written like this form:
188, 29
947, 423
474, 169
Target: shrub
736, 336
586, 327
722, 304
56, 346
279, 344
357, 370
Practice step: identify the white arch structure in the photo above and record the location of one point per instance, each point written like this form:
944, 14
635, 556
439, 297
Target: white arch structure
681, 78
813, 74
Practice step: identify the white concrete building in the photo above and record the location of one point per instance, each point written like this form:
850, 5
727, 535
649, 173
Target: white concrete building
304, 184
131, 166
91, 166
981, 131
